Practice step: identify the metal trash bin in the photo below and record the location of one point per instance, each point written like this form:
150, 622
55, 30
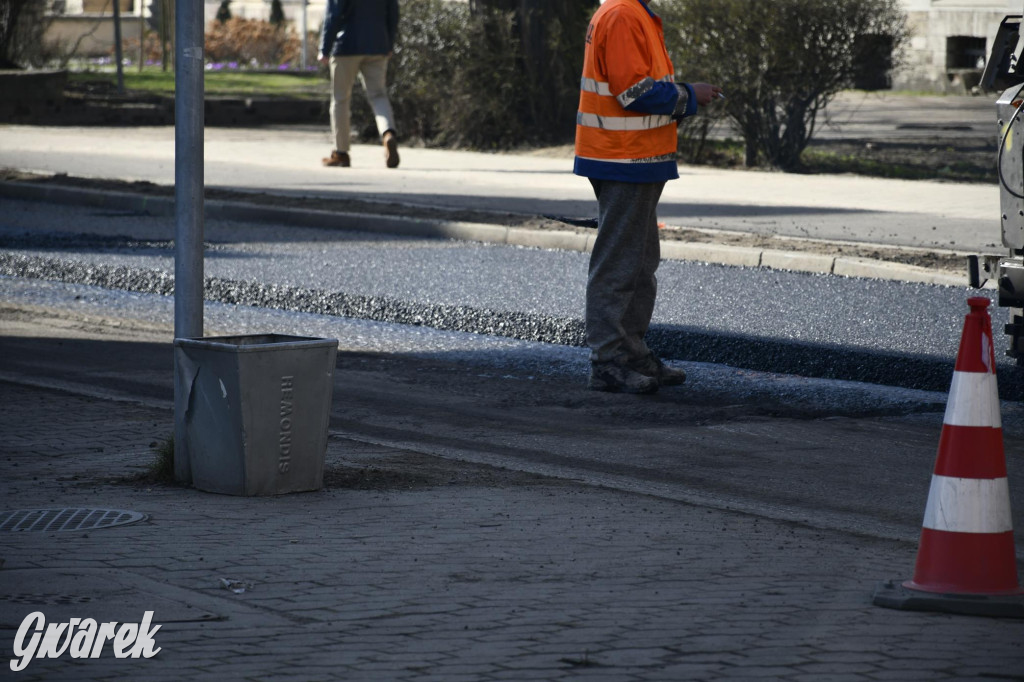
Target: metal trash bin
258, 411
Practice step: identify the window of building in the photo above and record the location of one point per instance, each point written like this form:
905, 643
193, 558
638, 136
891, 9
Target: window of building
965, 52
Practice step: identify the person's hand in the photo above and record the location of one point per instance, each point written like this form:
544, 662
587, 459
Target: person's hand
705, 93
322, 58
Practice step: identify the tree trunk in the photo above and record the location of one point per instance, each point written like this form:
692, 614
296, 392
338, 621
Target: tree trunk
533, 17
10, 10
750, 153
547, 31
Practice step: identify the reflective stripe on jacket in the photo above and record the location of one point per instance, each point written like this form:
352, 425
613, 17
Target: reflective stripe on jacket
629, 103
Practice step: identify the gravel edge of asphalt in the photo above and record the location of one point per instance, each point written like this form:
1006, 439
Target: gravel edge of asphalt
669, 341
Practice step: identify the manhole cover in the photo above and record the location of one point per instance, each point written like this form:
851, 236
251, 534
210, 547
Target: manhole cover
57, 520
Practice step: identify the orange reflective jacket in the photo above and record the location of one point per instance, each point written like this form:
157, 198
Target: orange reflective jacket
625, 57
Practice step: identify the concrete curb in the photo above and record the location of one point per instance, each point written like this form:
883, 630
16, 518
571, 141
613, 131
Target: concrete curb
718, 254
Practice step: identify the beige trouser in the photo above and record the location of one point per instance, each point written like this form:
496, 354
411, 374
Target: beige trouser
372, 70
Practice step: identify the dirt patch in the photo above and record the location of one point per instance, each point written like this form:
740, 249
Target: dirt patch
24, 320
941, 158
366, 467
369, 467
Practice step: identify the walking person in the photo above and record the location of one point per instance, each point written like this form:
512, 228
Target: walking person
357, 39
626, 144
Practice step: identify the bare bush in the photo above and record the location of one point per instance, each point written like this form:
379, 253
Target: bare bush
781, 61
251, 42
152, 52
550, 39
453, 76
461, 76
23, 24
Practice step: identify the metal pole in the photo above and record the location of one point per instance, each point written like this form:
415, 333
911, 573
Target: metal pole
188, 203
142, 34
305, 37
165, 17
117, 47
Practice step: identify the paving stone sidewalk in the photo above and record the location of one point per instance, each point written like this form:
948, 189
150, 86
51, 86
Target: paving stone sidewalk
409, 569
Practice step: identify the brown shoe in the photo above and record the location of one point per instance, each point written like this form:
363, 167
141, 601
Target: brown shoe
652, 366
616, 377
390, 149
338, 159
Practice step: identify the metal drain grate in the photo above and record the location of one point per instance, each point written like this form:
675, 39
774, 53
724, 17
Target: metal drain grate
58, 520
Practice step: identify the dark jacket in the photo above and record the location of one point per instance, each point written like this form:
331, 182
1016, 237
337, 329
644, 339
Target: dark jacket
359, 27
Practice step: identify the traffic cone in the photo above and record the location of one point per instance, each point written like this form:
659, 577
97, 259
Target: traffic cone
966, 562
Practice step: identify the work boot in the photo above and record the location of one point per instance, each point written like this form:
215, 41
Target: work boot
338, 159
652, 366
390, 149
618, 378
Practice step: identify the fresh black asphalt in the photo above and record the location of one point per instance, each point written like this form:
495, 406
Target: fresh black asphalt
892, 333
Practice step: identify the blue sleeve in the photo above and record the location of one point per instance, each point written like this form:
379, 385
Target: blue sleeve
663, 99
660, 99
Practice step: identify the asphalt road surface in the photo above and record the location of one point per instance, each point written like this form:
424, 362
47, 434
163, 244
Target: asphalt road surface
783, 322
827, 454
902, 334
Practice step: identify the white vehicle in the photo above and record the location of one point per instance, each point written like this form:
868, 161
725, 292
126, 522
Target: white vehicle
1005, 71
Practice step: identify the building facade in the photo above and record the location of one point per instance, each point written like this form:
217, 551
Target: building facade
950, 41
87, 26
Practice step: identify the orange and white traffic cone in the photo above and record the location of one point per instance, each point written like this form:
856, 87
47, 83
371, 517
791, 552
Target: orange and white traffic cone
966, 561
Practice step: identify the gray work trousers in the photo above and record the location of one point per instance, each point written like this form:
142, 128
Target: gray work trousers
621, 286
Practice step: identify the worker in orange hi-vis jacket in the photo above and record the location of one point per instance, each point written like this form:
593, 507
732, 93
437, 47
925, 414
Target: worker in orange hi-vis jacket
626, 145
